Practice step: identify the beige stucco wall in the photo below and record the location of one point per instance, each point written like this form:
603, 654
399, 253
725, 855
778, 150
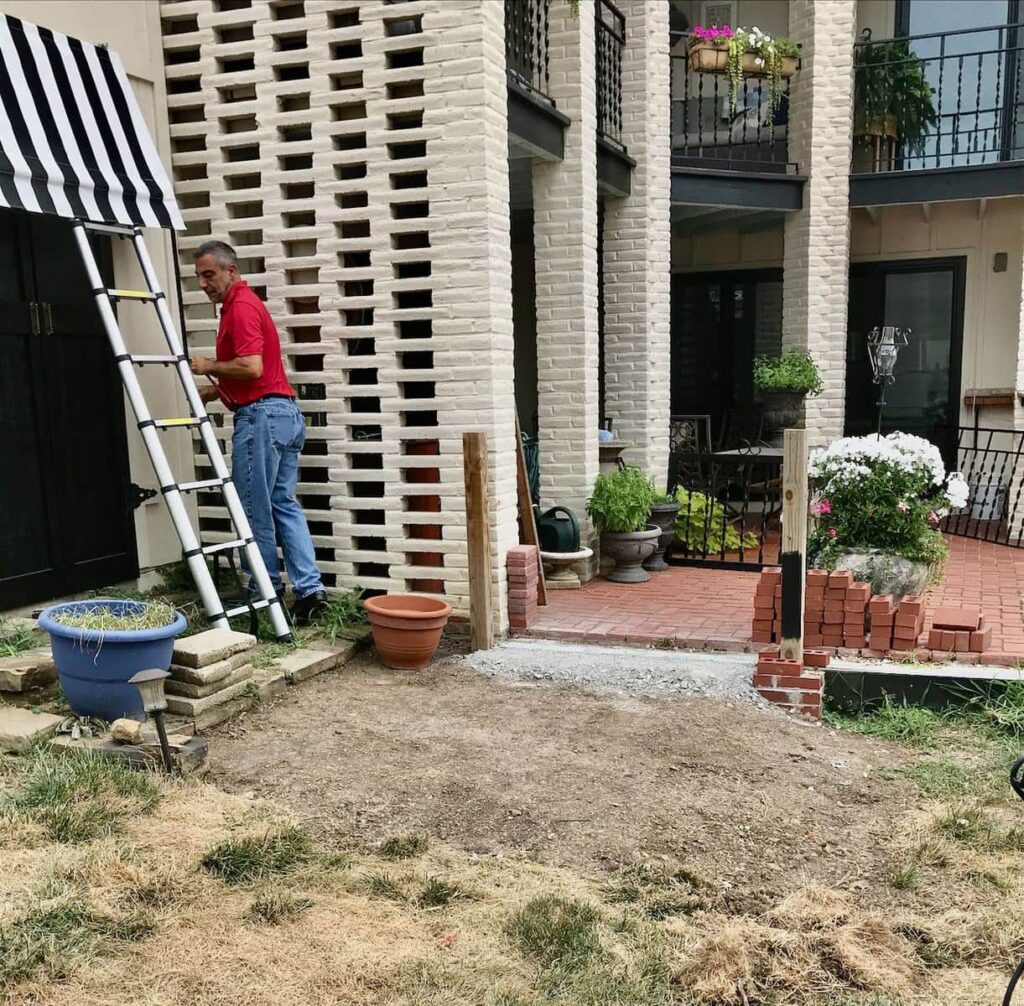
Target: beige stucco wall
132, 29
878, 15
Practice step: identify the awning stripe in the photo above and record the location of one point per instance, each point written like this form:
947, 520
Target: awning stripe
72, 138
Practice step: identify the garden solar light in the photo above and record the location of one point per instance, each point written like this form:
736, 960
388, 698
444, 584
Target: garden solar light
150, 684
884, 346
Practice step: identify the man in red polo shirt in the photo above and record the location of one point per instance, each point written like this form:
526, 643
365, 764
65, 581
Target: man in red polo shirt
269, 428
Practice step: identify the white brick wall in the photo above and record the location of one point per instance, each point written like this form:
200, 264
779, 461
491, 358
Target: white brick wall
637, 249
817, 238
360, 168
565, 235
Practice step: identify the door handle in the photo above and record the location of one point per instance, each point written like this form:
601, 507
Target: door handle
33, 313
48, 316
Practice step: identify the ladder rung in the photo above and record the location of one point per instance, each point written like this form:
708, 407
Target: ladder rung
164, 424
222, 546
187, 487
130, 294
122, 229
143, 359
246, 608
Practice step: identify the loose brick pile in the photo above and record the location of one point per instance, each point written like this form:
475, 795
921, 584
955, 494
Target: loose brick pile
522, 586
959, 630
792, 684
896, 627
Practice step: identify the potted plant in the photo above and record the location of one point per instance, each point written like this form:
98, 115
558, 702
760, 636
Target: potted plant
783, 382
744, 52
619, 507
877, 507
662, 516
892, 101
406, 628
99, 644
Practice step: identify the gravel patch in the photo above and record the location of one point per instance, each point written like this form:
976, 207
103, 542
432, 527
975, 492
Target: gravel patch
632, 670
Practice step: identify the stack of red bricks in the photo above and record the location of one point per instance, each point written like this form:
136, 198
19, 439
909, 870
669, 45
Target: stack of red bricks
792, 684
896, 626
959, 630
522, 586
767, 627
834, 609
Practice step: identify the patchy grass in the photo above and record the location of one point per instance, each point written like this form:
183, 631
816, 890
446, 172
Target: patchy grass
77, 798
906, 877
344, 617
273, 908
255, 857
404, 846
383, 885
899, 724
438, 892
555, 932
15, 639
657, 892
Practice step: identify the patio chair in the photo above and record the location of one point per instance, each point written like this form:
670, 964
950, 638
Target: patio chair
741, 428
688, 436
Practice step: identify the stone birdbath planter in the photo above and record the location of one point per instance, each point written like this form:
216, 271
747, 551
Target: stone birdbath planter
406, 628
562, 575
98, 645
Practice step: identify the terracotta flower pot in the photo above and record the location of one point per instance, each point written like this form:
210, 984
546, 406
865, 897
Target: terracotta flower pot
406, 628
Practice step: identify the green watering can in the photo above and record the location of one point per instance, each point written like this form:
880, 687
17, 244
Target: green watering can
557, 533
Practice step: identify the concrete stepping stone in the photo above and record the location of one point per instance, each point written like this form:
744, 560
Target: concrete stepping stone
183, 706
300, 665
190, 690
31, 669
21, 728
211, 673
209, 647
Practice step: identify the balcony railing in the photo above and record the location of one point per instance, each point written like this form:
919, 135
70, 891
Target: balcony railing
609, 40
526, 45
973, 116
710, 131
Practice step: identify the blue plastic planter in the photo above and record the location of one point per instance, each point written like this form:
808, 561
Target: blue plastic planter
94, 667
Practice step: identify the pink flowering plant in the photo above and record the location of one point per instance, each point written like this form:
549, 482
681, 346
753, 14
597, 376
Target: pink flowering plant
887, 495
717, 34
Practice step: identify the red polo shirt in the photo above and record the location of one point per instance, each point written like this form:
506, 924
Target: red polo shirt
246, 329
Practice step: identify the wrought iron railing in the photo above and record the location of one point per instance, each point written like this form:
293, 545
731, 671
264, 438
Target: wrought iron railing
973, 116
609, 41
992, 462
713, 128
527, 55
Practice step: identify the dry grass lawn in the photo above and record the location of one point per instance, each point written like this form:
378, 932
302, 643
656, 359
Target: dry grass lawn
126, 889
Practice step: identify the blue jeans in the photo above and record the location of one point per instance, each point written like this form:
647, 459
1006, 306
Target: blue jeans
264, 468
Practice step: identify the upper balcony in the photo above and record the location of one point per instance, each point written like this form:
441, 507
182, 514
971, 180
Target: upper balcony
730, 144
938, 116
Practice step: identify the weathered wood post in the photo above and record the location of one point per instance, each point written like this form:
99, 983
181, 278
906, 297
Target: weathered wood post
474, 467
794, 542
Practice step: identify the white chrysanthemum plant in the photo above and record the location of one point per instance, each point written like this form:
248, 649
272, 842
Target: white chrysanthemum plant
887, 494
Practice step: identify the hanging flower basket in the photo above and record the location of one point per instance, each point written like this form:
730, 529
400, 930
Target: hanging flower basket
708, 58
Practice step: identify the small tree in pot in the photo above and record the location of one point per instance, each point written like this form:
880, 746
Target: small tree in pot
782, 383
620, 507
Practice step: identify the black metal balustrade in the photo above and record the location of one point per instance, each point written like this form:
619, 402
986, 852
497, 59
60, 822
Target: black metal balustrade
975, 113
710, 131
527, 55
609, 41
992, 462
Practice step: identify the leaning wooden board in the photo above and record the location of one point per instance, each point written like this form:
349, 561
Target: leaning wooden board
528, 523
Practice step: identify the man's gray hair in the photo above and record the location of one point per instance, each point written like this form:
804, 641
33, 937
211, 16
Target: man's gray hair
223, 254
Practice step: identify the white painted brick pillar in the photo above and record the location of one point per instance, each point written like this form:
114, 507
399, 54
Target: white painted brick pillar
472, 273
565, 236
817, 259
637, 249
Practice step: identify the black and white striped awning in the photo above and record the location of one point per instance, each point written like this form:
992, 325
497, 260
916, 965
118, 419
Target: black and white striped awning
72, 138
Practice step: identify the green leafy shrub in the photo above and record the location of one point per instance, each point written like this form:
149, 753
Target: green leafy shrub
621, 501
701, 525
792, 370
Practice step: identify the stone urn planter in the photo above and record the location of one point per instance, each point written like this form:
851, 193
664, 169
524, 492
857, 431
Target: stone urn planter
782, 410
887, 573
406, 628
663, 517
629, 550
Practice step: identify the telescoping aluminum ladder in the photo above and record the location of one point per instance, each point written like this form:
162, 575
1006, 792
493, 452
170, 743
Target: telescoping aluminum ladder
195, 553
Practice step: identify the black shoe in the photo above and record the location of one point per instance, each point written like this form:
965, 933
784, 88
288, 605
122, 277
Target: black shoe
307, 609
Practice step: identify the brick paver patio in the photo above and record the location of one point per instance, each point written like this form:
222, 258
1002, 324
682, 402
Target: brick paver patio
706, 608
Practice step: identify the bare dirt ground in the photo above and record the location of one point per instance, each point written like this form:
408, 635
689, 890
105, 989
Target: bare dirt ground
757, 802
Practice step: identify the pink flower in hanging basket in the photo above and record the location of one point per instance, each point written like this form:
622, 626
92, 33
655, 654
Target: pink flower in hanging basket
712, 33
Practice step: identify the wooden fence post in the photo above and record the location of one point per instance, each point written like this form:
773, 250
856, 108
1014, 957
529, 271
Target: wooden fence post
474, 467
794, 542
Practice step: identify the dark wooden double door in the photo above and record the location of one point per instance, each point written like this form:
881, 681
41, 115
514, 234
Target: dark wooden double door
66, 520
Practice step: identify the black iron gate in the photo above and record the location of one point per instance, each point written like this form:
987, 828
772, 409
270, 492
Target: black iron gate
731, 502
992, 462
